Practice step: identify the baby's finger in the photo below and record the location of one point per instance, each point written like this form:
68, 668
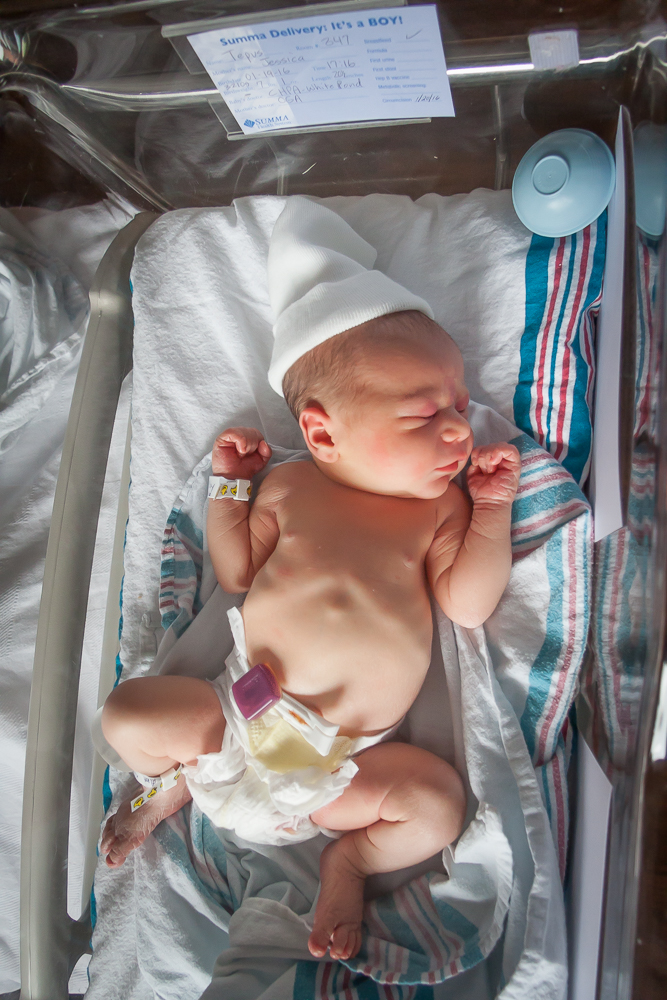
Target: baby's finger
264, 449
232, 438
503, 450
486, 461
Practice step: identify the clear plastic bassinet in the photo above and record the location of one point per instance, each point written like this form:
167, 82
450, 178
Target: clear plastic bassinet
109, 99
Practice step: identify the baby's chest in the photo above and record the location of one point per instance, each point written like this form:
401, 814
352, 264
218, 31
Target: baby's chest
359, 530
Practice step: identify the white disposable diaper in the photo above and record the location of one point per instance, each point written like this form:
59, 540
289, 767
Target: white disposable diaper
272, 772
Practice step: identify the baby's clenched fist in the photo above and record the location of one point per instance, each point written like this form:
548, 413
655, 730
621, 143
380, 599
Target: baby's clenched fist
493, 476
239, 453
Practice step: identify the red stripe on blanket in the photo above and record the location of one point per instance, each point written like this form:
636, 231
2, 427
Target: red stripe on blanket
327, 969
535, 456
565, 392
557, 476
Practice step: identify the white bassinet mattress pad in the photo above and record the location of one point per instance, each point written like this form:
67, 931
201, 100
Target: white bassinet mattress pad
201, 308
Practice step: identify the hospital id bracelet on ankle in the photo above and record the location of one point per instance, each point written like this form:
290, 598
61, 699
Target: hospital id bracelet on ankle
153, 785
220, 488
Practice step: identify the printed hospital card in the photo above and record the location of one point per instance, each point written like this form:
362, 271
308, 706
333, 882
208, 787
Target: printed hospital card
383, 64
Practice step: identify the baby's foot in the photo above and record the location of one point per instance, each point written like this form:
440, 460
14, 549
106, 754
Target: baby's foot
340, 906
126, 830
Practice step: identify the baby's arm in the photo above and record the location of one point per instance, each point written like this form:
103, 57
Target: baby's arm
240, 538
469, 562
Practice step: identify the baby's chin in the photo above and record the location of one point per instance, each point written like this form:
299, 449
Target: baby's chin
431, 491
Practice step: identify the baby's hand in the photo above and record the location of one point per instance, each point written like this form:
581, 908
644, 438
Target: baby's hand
493, 476
239, 453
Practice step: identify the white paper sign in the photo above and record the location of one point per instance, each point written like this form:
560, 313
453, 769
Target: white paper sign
371, 65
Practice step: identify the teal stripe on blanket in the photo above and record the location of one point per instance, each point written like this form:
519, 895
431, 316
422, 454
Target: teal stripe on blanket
537, 290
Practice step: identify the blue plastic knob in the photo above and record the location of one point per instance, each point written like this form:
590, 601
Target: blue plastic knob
564, 182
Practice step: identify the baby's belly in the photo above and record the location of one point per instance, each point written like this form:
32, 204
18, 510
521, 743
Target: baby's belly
355, 651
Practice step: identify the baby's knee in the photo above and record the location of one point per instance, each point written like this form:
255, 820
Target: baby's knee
443, 797
125, 708
432, 793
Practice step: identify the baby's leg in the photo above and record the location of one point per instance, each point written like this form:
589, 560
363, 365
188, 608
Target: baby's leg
403, 806
154, 723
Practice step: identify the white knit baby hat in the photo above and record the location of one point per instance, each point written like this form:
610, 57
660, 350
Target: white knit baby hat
322, 282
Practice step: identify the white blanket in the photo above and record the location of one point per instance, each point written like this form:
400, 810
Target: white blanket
202, 348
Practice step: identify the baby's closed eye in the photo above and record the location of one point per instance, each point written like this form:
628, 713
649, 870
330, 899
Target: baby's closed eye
418, 418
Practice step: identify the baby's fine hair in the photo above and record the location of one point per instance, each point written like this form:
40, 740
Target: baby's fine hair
336, 370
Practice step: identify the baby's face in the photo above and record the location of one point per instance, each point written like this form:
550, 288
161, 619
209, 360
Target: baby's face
407, 434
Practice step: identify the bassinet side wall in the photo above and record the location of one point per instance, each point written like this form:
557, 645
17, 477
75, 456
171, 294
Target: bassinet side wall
51, 942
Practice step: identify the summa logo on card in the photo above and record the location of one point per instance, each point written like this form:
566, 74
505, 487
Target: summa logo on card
264, 122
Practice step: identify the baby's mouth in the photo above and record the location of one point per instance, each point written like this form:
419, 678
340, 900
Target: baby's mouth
452, 467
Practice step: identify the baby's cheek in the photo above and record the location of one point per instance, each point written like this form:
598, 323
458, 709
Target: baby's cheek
410, 458
378, 448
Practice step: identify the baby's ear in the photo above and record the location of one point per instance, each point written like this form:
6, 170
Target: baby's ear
316, 427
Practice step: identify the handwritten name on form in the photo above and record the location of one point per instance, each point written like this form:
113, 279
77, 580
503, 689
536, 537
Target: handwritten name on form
371, 65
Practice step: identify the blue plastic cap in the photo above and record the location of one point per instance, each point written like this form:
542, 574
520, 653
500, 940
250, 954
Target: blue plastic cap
564, 182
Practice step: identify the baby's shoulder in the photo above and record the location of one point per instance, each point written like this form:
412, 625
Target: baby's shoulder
283, 478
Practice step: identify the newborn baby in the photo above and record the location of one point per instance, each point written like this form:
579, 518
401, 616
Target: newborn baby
337, 555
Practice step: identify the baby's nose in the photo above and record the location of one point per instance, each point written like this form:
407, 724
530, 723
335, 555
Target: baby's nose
456, 427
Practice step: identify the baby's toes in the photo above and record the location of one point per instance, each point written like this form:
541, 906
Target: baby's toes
115, 857
318, 942
345, 942
108, 835
356, 943
120, 848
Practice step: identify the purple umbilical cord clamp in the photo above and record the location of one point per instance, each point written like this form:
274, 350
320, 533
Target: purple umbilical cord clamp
256, 692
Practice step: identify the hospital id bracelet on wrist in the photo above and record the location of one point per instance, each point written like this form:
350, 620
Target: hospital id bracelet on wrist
220, 488
153, 785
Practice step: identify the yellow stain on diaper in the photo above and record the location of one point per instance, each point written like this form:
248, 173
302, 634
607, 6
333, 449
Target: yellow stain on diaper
281, 748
